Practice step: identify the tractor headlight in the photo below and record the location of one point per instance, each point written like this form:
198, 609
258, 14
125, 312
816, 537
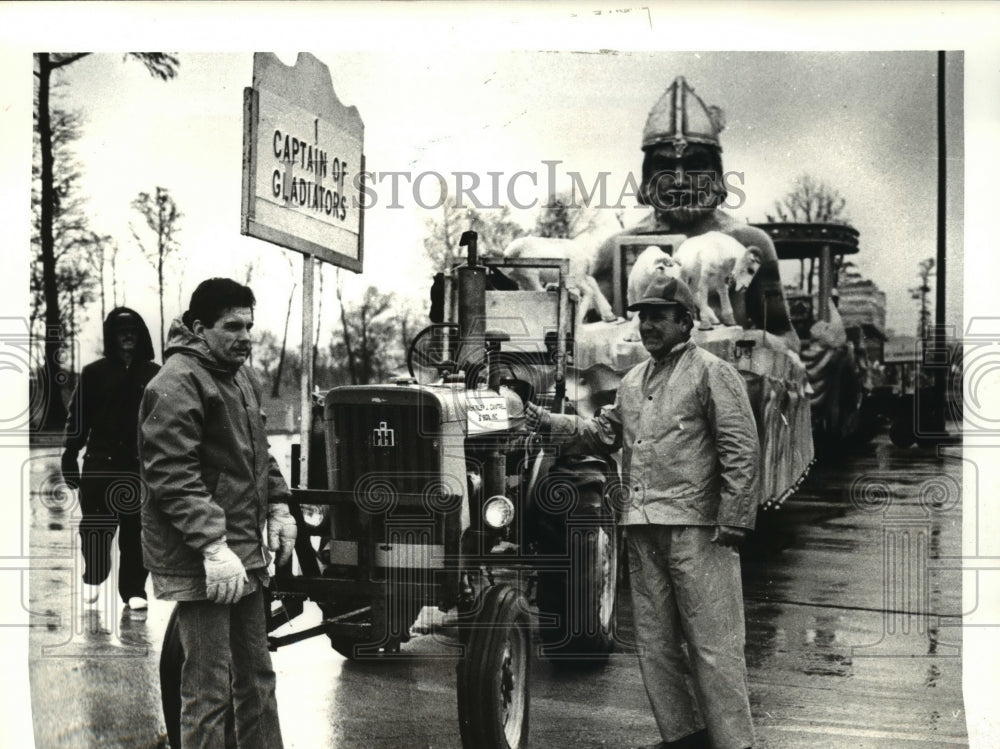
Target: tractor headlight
498, 512
315, 515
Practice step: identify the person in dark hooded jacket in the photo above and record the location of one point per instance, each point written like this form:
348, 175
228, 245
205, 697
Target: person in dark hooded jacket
103, 417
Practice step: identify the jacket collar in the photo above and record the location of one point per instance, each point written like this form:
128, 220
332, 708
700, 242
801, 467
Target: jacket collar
674, 354
182, 340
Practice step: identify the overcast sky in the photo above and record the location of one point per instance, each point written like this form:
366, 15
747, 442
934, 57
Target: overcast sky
864, 122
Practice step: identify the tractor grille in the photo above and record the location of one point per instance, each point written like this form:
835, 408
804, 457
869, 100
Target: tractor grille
382, 445
400, 513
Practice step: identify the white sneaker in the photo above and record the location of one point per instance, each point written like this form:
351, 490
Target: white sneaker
91, 593
137, 604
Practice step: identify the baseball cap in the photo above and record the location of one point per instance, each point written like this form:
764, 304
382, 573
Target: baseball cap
665, 290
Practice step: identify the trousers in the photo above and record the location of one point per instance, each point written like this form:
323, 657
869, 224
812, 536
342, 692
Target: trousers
687, 596
225, 647
110, 499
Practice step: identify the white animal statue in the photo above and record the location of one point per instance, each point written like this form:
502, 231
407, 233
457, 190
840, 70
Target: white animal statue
650, 261
578, 278
715, 262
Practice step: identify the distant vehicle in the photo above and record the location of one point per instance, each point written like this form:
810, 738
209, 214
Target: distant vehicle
838, 357
917, 408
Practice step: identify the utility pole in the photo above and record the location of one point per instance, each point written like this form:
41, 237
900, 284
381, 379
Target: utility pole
920, 292
940, 351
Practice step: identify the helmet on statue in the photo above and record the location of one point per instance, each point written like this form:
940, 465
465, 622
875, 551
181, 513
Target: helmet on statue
682, 176
680, 117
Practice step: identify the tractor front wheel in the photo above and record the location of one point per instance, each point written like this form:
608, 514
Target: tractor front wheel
493, 672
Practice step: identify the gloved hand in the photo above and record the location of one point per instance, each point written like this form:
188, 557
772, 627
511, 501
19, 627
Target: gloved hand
70, 469
281, 532
536, 418
225, 576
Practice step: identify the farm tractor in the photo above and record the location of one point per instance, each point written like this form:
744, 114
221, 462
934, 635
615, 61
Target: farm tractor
438, 495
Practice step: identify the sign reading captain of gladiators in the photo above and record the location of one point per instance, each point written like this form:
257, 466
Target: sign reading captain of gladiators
303, 162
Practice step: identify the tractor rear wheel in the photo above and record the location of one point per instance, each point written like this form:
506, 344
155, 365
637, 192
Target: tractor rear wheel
581, 599
171, 661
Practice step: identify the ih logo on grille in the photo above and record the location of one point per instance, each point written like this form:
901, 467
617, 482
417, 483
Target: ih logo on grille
383, 436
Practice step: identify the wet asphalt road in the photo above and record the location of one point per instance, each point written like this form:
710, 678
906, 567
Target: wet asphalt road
853, 640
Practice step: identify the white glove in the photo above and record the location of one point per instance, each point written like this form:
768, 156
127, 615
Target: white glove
224, 574
281, 532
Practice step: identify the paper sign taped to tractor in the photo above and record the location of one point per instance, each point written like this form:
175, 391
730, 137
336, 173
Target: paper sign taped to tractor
487, 412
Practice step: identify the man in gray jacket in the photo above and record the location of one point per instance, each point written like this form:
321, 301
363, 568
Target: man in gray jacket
211, 488
690, 457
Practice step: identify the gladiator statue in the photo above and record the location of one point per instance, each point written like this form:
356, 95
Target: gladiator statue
682, 181
687, 235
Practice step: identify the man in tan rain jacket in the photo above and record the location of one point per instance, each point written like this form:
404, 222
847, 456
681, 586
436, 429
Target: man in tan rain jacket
690, 457
210, 478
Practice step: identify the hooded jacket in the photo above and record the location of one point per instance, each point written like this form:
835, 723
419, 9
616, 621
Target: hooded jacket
205, 461
690, 451
105, 404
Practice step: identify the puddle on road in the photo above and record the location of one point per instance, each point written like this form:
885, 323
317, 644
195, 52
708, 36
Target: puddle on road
782, 639
822, 654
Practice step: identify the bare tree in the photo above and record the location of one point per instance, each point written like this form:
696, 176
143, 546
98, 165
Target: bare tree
347, 335
76, 284
112, 255
441, 243
160, 65
98, 261
266, 352
810, 201
69, 224
76, 291
371, 331
249, 270
409, 324
495, 227
276, 385
561, 217
72, 245
162, 217
101, 254
319, 319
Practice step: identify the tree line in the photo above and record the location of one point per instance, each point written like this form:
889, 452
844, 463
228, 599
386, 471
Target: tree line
66, 253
